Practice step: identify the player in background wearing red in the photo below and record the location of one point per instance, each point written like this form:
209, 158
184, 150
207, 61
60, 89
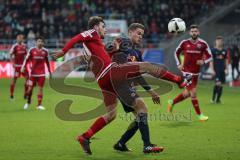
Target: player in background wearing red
38, 57
110, 77
196, 53
17, 54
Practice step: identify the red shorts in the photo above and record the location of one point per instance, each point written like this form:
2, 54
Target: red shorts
17, 72
193, 84
115, 77
36, 80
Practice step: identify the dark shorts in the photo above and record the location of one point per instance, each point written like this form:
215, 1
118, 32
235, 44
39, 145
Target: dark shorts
220, 76
127, 96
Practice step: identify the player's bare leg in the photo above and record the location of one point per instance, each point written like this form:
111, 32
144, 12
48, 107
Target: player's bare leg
193, 94
182, 96
142, 121
100, 123
29, 97
162, 73
217, 92
40, 96
12, 87
25, 87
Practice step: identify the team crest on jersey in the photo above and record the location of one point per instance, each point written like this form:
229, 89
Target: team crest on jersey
199, 46
188, 45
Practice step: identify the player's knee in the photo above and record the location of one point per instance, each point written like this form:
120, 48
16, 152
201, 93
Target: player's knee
110, 116
140, 106
218, 83
186, 94
193, 94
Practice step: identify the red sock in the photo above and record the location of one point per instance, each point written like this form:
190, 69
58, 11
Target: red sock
166, 75
40, 96
12, 86
196, 106
179, 98
96, 126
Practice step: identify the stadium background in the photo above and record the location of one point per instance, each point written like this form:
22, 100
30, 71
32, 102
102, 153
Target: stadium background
59, 20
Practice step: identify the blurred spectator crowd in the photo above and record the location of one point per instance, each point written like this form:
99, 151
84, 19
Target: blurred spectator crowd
58, 19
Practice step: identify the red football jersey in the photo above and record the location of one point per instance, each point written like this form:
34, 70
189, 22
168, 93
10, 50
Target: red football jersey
93, 46
19, 51
193, 51
37, 57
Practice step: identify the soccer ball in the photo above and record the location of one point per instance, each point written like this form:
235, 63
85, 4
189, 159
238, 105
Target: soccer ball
176, 25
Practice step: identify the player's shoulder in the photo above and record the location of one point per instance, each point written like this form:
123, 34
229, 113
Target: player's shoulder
25, 45
31, 49
202, 41
90, 32
213, 50
184, 41
45, 49
138, 51
14, 45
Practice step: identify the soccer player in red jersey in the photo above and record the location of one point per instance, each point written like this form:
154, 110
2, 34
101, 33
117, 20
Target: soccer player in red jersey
111, 77
196, 53
17, 54
38, 57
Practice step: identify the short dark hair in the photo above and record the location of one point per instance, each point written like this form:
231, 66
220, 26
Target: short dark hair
20, 34
40, 37
194, 26
219, 37
94, 20
135, 26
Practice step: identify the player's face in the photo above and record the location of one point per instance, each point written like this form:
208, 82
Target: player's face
219, 42
40, 43
136, 36
194, 33
101, 29
20, 38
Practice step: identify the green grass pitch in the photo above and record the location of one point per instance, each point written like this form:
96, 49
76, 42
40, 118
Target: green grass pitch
40, 135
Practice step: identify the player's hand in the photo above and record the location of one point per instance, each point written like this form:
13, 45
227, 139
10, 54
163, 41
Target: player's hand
180, 67
200, 62
226, 71
214, 73
22, 70
56, 55
155, 97
116, 44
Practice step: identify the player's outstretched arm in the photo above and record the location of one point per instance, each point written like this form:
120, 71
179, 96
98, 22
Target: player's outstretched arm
82, 37
57, 54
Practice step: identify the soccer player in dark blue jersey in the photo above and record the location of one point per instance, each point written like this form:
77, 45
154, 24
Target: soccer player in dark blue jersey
219, 66
128, 52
